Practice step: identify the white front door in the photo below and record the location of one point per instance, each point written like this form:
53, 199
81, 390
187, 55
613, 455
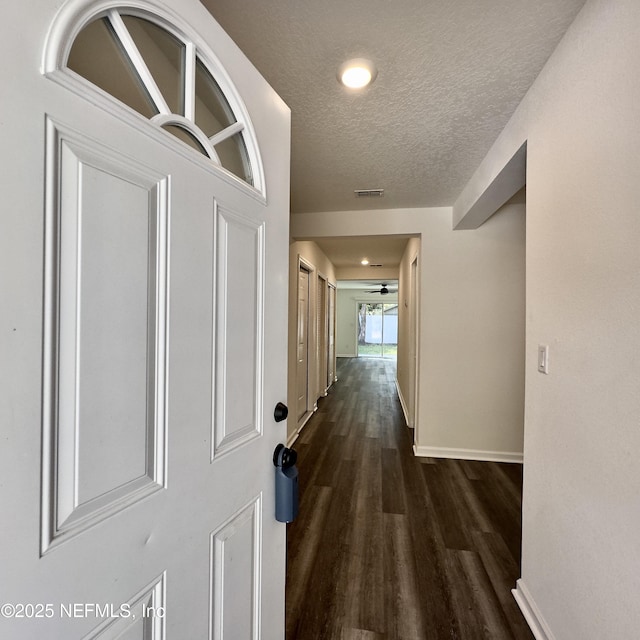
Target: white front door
140, 363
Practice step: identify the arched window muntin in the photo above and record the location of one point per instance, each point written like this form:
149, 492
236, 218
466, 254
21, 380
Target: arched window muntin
75, 15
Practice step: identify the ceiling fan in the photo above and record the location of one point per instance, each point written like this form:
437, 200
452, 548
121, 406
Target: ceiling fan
383, 291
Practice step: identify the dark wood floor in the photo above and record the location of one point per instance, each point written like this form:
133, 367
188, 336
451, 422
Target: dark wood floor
387, 545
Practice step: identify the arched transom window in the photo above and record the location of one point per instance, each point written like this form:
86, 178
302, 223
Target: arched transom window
162, 75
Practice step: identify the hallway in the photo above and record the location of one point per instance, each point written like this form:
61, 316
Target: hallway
389, 546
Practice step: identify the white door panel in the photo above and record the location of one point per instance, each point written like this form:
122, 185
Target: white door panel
235, 574
105, 334
137, 434
238, 306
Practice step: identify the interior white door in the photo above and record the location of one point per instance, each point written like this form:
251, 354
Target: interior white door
331, 339
302, 345
322, 337
141, 362
413, 343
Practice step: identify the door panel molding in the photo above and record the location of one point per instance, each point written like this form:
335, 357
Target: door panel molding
144, 612
235, 575
104, 374
239, 245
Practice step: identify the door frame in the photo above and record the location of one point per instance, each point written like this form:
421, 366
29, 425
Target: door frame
332, 323
322, 335
414, 340
310, 405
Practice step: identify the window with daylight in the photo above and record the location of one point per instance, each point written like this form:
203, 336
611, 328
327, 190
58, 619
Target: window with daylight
377, 330
164, 77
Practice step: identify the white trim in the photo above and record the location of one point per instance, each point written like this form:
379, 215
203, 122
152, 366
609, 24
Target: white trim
346, 355
332, 319
138, 62
403, 404
227, 132
180, 121
306, 264
305, 420
415, 321
311, 405
468, 454
190, 82
239, 110
531, 612
322, 334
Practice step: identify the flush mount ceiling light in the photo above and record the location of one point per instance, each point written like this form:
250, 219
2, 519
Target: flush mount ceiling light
357, 73
364, 261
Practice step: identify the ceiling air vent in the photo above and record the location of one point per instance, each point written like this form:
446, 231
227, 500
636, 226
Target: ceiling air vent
369, 193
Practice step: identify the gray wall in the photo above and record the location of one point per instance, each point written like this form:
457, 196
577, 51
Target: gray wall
581, 511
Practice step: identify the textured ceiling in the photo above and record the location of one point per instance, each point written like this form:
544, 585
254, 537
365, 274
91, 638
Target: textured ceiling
450, 74
348, 252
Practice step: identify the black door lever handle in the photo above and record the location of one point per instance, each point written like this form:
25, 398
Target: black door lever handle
281, 412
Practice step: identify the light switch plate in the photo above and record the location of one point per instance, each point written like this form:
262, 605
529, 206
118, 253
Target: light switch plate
543, 358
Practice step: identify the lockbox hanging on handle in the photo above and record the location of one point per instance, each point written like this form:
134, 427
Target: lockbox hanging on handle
286, 483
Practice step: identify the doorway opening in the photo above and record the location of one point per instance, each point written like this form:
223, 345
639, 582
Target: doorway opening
377, 330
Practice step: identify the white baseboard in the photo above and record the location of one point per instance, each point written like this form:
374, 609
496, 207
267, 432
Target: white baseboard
403, 404
293, 437
305, 418
468, 454
347, 355
531, 613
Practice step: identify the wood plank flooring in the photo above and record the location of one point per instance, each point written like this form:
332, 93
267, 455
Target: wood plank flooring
390, 546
